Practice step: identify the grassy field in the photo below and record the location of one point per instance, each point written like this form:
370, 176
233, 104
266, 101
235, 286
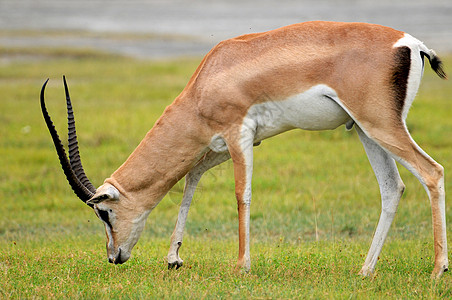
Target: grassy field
315, 198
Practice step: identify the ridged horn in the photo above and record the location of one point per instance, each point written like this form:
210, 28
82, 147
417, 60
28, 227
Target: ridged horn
74, 155
84, 192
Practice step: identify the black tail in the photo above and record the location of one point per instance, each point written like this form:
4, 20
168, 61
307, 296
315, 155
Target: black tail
435, 63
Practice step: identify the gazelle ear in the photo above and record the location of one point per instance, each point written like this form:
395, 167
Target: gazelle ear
104, 192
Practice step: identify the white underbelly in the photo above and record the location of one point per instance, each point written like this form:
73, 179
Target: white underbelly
314, 109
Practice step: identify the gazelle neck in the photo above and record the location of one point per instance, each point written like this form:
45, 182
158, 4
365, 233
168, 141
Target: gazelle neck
168, 151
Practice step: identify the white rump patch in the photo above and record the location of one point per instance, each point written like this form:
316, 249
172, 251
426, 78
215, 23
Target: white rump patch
416, 68
408, 41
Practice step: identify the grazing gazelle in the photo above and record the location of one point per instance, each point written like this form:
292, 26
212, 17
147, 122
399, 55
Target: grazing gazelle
313, 76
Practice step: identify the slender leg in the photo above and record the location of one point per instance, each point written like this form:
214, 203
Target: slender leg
210, 160
391, 189
403, 149
242, 158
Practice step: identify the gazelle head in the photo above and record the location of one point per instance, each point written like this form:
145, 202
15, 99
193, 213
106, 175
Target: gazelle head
123, 220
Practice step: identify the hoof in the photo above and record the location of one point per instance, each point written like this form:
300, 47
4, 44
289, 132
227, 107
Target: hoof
438, 272
176, 264
243, 266
366, 272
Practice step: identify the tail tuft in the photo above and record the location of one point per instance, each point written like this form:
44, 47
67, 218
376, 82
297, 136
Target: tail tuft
436, 64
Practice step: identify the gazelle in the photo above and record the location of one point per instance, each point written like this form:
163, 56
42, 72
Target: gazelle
316, 76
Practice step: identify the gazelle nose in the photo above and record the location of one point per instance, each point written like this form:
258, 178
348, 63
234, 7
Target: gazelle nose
116, 260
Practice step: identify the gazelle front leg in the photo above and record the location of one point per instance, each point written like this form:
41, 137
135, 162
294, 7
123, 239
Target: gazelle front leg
242, 158
210, 160
391, 189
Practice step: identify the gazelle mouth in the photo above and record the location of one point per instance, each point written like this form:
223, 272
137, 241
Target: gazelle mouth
116, 260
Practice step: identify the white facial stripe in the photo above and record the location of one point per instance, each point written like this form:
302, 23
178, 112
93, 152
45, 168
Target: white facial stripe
110, 243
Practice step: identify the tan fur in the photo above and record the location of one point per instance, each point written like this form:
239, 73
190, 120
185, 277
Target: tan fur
354, 59
246, 70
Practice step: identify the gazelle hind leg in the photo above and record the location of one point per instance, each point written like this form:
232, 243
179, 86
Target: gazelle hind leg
210, 160
391, 189
399, 144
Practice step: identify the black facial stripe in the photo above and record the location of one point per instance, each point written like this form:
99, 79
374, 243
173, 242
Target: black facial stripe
103, 214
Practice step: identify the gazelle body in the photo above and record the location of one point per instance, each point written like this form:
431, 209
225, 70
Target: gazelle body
313, 76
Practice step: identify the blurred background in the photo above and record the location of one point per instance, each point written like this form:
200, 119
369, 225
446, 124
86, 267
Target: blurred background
169, 28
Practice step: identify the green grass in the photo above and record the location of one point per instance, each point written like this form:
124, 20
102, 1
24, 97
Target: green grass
315, 198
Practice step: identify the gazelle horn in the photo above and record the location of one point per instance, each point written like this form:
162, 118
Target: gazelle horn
72, 168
